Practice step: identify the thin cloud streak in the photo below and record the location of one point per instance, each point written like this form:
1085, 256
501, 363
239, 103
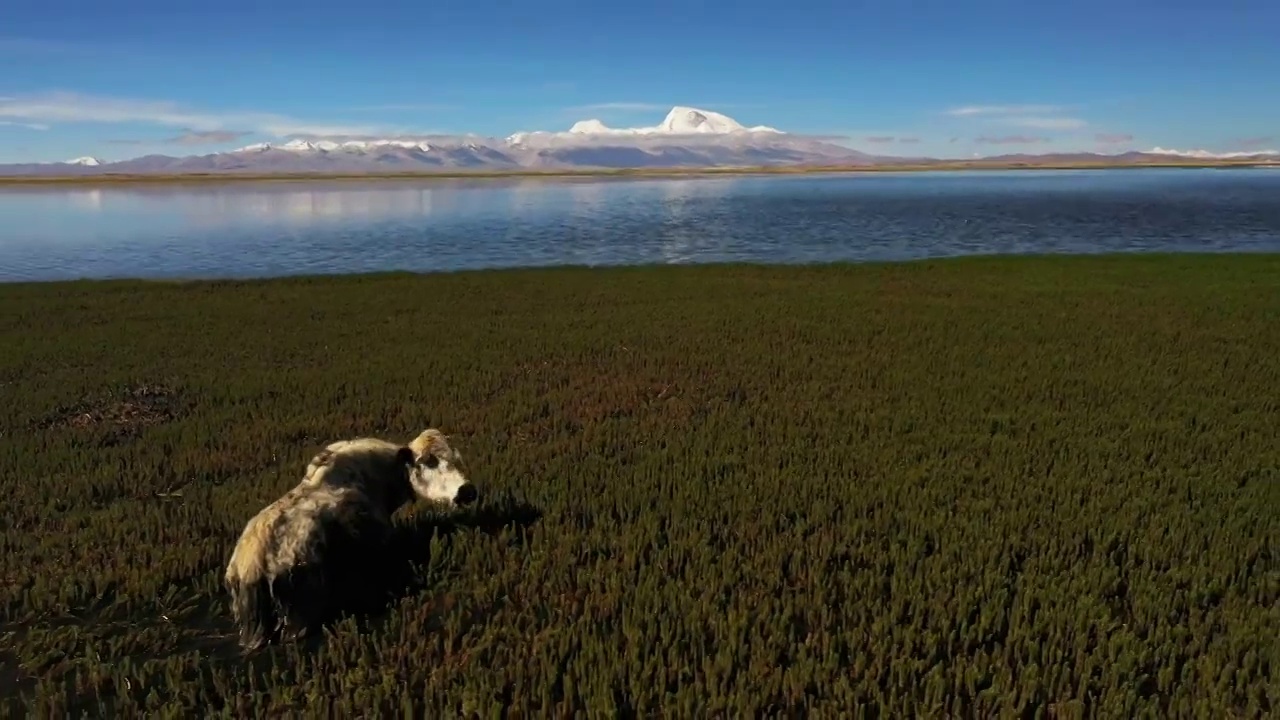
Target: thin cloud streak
207, 137
26, 125
971, 110
62, 106
1011, 140
1035, 117
1047, 123
1113, 138
824, 137
885, 139
861, 137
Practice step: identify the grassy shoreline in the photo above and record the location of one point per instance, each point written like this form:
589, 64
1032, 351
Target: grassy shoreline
12, 181
970, 486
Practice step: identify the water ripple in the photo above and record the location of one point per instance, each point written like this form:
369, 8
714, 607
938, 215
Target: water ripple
253, 230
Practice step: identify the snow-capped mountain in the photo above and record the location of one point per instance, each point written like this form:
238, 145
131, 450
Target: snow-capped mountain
331, 145
681, 122
1207, 155
686, 138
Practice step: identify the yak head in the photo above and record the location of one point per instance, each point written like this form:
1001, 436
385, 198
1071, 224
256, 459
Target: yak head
436, 475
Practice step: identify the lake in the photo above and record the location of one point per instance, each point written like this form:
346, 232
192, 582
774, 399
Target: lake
253, 229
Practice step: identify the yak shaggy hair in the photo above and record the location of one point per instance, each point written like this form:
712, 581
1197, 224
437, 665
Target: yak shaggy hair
302, 559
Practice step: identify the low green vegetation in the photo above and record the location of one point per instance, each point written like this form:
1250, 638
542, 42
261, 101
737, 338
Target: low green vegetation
1018, 487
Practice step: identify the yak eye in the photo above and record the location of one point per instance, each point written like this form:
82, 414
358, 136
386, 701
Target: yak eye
431, 461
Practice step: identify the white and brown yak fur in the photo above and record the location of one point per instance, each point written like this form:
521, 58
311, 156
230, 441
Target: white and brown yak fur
304, 557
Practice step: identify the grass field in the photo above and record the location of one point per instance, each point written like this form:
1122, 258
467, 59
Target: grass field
1018, 487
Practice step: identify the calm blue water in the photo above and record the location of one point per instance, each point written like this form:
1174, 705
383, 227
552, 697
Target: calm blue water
261, 229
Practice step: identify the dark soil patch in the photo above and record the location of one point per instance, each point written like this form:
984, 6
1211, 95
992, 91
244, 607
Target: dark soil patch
124, 412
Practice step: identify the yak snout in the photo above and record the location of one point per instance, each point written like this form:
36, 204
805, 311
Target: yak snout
467, 494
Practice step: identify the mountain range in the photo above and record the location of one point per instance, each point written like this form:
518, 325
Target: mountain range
687, 138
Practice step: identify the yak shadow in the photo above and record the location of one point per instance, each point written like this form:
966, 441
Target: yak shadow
409, 549
388, 574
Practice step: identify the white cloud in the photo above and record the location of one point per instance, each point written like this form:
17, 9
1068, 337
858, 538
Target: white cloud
27, 125
1203, 154
1038, 117
53, 107
969, 110
1011, 140
1047, 123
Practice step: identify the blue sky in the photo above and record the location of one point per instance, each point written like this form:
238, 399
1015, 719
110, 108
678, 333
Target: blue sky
946, 78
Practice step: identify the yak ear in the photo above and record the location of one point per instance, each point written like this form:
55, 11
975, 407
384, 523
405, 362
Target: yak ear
430, 441
405, 456
322, 458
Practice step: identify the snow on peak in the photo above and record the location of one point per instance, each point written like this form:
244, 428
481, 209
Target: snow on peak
589, 127
680, 120
85, 161
687, 120
315, 146
1207, 155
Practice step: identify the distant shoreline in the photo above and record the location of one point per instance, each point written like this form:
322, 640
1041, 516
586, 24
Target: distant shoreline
151, 179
